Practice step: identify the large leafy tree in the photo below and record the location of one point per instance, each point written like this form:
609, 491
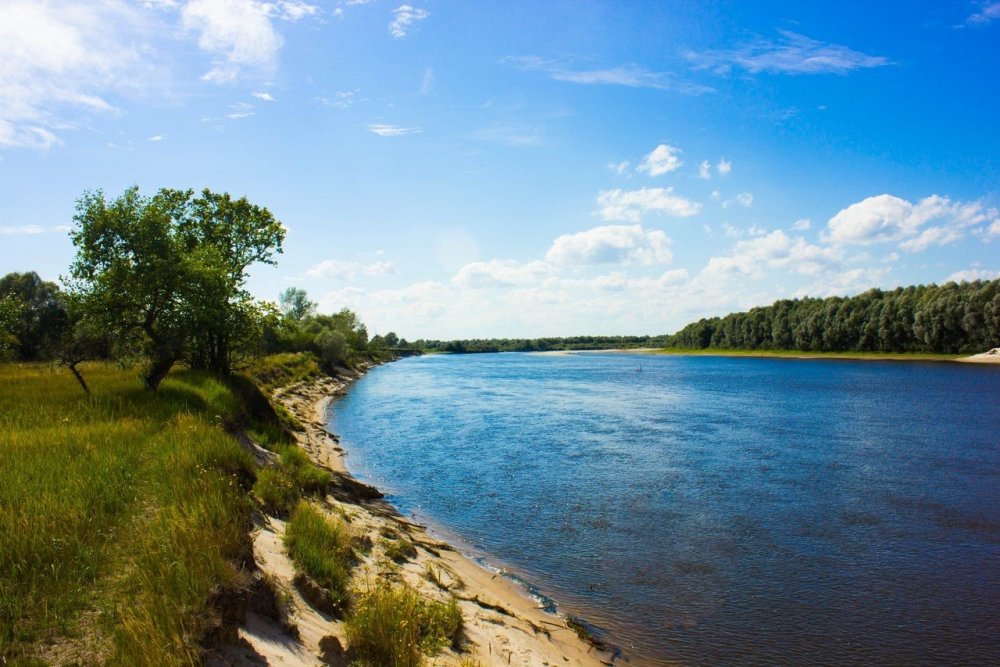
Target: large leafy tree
166, 273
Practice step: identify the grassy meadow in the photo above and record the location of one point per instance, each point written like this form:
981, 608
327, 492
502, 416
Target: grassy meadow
123, 515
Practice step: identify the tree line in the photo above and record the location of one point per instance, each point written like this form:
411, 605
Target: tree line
476, 345
951, 318
160, 280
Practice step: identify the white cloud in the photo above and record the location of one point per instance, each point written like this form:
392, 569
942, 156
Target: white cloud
631, 205
661, 160
502, 273
618, 167
611, 244
630, 76
731, 232
716, 195
158, 137
31, 230
59, 61
990, 11
724, 167
886, 218
792, 54
346, 270
403, 19
239, 34
970, 275
993, 230
240, 114
264, 97
392, 130
802, 224
340, 100
774, 250
705, 170
744, 199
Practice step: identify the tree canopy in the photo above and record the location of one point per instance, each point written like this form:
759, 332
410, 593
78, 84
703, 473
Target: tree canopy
165, 274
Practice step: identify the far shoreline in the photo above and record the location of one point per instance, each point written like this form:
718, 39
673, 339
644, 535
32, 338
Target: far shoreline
983, 358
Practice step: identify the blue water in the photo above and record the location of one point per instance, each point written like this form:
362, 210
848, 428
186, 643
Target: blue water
711, 511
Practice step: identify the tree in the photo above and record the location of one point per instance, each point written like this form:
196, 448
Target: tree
10, 312
295, 304
40, 317
167, 272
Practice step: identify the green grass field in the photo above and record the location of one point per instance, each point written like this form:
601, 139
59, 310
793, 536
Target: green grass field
122, 515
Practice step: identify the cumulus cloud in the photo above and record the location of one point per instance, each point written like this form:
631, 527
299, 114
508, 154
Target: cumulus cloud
347, 270
705, 170
970, 275
630, 76
791, 54
802, 225
631, 205
774, 250
59, 61
403, 19
611, 244
392, 130
885, 218
502, 273
661, 160
264, 97
724, 167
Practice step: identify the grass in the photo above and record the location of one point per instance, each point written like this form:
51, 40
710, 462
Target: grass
280, 370
322, 548
280, 488
392, 626
800, 354
399, 550
123, 514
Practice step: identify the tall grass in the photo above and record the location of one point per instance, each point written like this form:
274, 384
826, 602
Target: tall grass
321, 547
393, 626
127, 506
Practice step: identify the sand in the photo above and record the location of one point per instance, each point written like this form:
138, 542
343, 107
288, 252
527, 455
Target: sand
991, 357
502, 624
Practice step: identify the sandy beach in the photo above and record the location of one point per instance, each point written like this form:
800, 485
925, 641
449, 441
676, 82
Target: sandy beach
502, 624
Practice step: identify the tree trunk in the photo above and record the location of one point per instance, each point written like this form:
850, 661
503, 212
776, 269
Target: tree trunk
78, 375
158, 369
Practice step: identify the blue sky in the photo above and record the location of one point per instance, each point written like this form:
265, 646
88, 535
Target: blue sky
481, 169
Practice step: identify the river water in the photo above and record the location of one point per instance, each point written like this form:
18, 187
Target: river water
711, 510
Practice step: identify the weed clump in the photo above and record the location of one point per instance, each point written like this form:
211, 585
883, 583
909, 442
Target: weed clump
321, 547
393, 625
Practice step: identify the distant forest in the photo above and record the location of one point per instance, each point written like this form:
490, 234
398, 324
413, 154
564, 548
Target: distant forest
951, 318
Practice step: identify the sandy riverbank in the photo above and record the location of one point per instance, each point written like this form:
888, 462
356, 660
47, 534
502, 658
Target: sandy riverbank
502, 625
991, 357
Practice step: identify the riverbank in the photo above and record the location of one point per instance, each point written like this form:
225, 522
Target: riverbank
501, 624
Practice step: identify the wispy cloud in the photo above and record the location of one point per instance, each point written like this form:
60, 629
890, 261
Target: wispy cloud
509, 134
631, 76
988, 12
392, 130
58, 64
631, 205
347, 270
403, 19
156, 137
264, 97
791, 54
30, 230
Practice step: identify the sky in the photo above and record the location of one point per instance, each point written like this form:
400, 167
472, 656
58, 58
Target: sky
456, 169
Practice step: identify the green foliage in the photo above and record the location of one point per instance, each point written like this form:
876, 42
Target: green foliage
533, 345
947, 319
392, 626
276, 491
123, 506
399, 550
165, 274
274, 371
321, 547
32, 315
295, 304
